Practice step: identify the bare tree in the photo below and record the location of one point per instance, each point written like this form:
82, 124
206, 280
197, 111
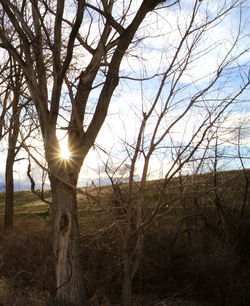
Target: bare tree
44, 37
177, 123
14, 83
11, 85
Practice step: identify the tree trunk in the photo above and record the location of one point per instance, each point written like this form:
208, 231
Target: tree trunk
9, 181
127, 282
69, 273
9, 192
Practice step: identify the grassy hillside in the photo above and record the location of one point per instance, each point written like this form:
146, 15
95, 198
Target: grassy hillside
24, 202
196, 250
230, 183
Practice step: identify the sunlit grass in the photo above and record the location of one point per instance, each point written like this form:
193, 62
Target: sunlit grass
25, 202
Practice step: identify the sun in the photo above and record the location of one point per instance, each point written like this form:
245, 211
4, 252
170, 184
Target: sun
65, 153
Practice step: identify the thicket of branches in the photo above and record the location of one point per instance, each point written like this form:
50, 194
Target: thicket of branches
179, 89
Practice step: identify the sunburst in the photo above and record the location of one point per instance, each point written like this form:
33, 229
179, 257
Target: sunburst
65, 153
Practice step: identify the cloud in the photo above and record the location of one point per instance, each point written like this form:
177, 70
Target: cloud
162, 32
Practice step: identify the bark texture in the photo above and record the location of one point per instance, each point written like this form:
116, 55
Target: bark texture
69, 275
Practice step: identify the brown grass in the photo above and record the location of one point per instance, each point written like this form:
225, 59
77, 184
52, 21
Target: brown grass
204, 271
26, 264
185, 259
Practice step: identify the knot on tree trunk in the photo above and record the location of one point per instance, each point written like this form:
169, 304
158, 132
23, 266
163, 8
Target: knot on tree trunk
64, 223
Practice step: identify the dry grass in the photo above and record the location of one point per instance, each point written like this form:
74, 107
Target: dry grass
184, 261
26, 264
204, 271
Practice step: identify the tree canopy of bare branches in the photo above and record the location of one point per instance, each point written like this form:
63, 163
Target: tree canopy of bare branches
71, 53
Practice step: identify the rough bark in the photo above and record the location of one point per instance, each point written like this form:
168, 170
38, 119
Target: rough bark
69, 273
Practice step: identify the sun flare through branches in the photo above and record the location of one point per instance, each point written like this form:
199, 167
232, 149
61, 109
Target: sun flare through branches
65, 154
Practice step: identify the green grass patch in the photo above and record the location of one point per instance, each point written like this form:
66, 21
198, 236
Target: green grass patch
25, 202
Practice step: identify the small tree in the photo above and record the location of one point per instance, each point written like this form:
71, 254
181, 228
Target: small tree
12, 104
15, 80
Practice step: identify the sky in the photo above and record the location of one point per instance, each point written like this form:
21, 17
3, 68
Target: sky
164, 30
